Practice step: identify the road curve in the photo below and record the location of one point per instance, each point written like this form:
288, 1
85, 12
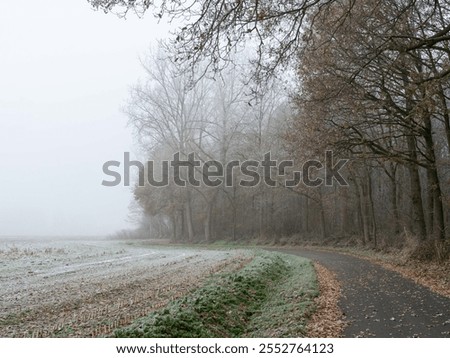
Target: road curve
381, 303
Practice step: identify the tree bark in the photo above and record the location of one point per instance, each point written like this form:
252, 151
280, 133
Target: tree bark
188, 213
394, 204
418, 218
208, 218
436, 217
417, 213
364, 212
371, 208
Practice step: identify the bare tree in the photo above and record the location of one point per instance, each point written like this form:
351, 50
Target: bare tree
213, 30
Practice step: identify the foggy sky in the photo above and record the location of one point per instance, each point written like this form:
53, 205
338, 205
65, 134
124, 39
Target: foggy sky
65, 71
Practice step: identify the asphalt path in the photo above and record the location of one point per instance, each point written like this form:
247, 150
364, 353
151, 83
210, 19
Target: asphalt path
378, 302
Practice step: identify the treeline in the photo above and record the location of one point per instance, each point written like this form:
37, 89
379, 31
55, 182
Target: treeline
372, 85
218, 121
375, 93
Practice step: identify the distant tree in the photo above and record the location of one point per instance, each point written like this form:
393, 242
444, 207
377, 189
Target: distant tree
164, 113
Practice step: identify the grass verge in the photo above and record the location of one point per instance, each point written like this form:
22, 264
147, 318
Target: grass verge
270, 297
289, 305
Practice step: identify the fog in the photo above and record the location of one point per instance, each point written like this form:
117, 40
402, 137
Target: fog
65, 71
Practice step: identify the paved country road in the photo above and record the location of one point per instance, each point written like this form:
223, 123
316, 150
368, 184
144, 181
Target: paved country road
381, 303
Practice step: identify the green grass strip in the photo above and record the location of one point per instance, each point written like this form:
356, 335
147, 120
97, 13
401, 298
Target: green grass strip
243, 303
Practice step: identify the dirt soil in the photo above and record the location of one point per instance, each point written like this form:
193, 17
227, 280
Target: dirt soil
89, 287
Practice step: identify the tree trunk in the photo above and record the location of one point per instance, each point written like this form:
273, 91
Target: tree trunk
435, 195
418, 218
188, 212
371, 208
363, 211
394, 204
261, 216
307, 215
323, 222
174, 227
417, 214
209, 210
430, 204
444, 110
345, 226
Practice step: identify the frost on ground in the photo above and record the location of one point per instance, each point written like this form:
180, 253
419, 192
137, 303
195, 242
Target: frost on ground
83, 288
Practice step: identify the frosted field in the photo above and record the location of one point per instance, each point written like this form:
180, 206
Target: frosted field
88, 287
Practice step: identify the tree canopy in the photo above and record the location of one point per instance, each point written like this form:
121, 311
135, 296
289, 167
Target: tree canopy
213, 30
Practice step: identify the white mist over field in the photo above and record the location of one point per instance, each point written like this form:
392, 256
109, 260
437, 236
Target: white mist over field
65, 71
